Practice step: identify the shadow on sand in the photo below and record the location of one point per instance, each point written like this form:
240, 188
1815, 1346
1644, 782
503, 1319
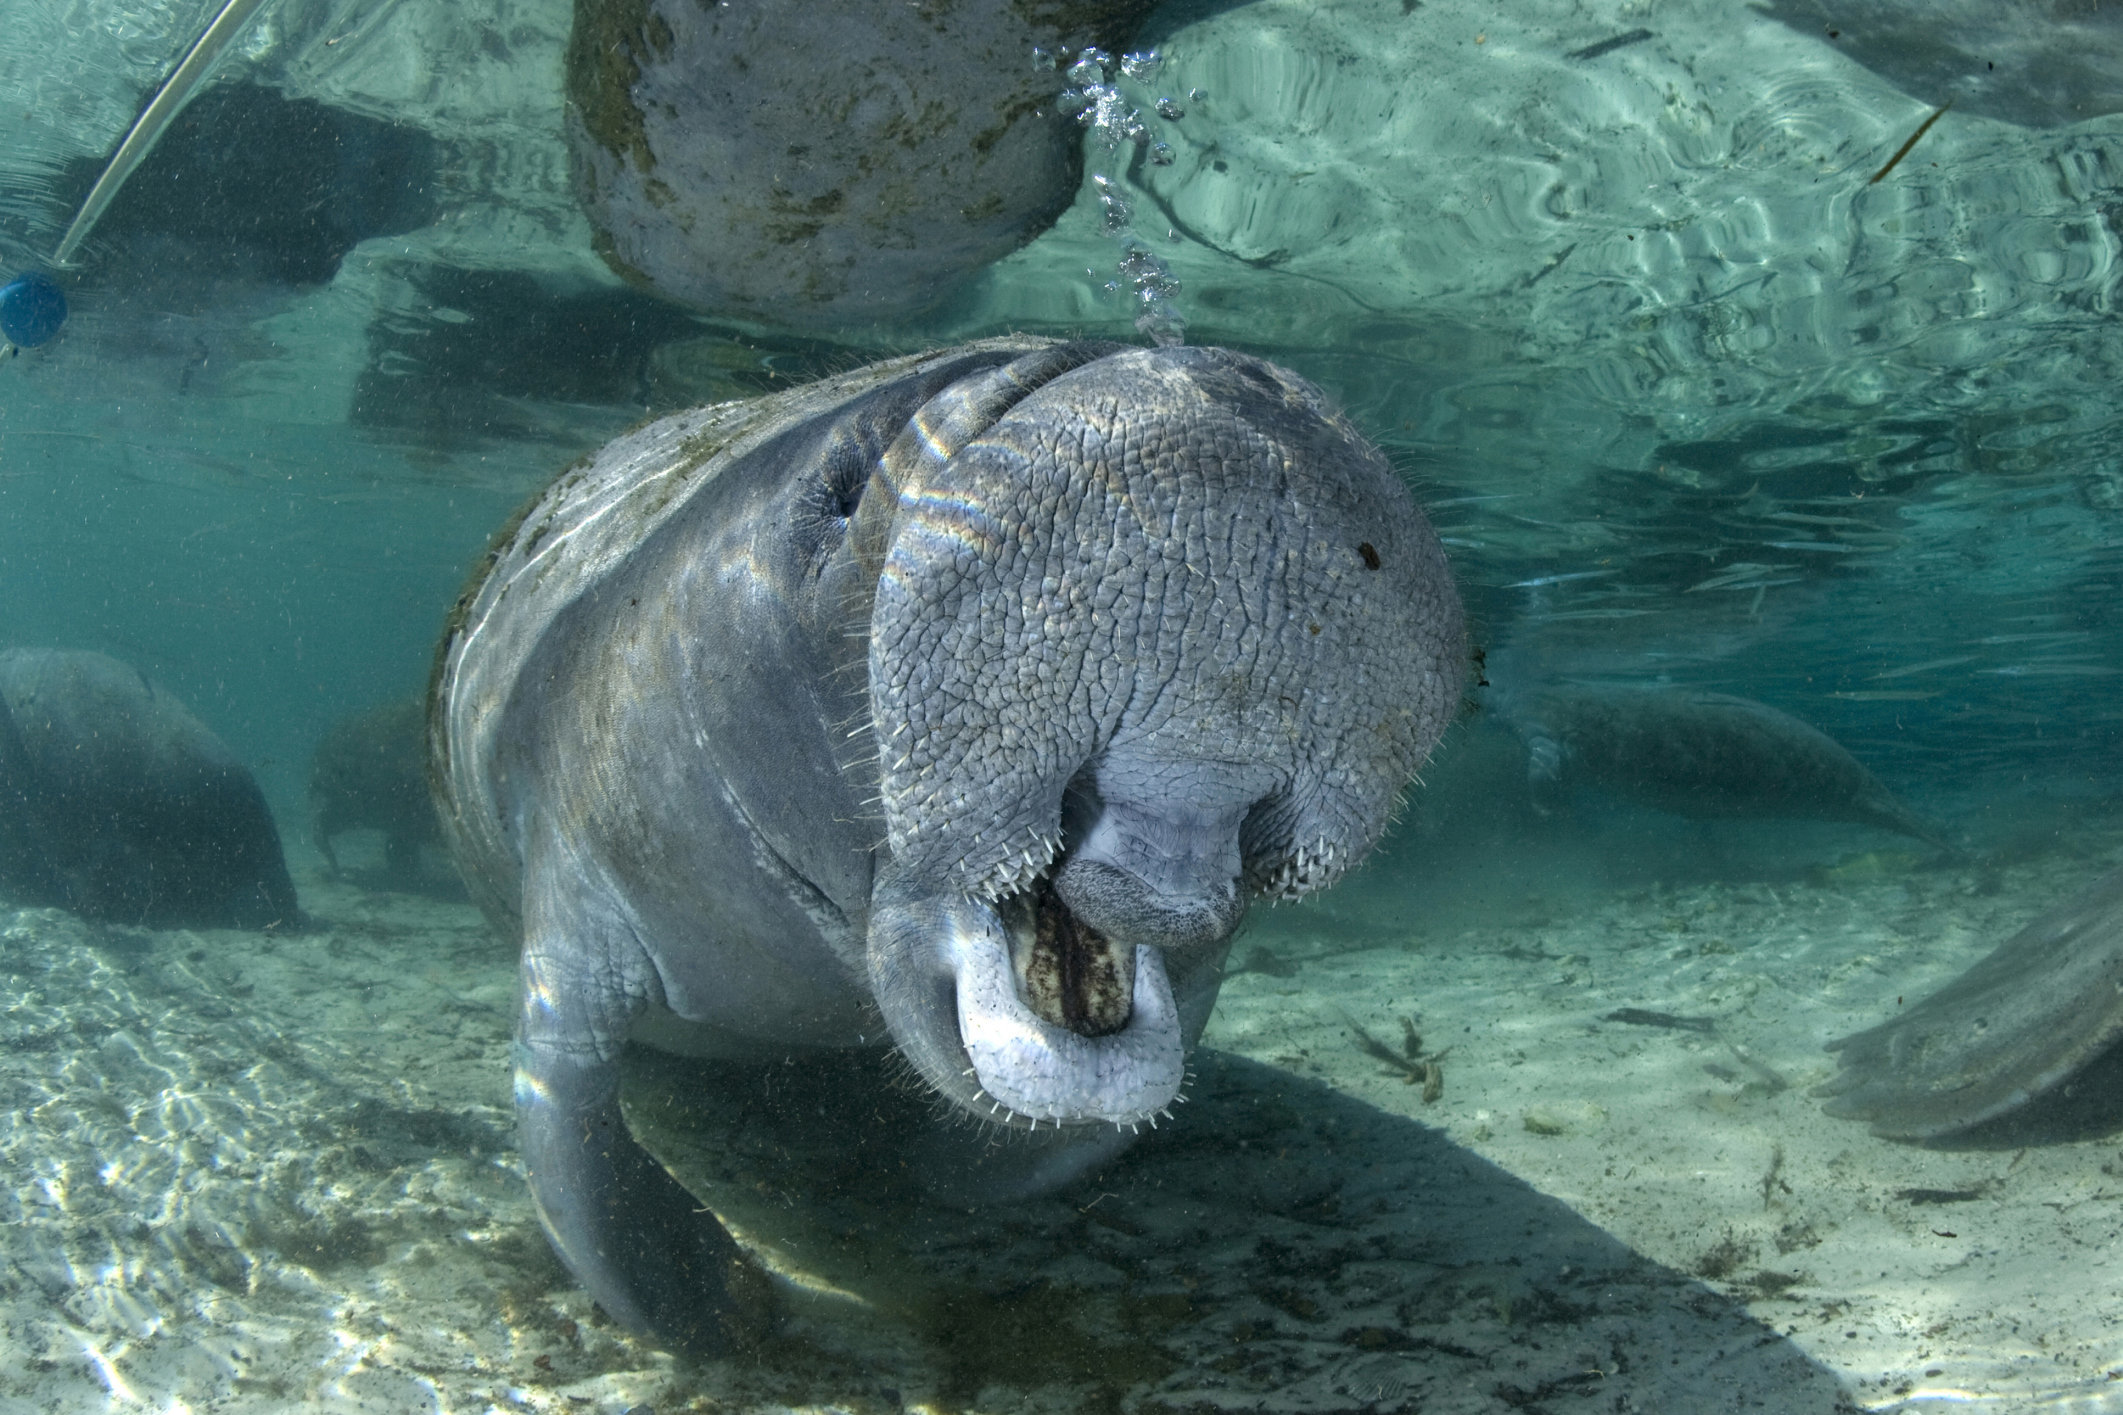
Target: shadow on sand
1282, 1247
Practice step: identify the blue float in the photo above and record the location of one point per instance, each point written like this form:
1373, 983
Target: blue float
31, 310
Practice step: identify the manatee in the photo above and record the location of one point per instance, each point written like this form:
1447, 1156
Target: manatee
959, 705
2034, 1021
369, 772
117, 803
1703, 755
812, 166
2038, 63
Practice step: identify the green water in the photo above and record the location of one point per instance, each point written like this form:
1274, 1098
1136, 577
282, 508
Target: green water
1692, 400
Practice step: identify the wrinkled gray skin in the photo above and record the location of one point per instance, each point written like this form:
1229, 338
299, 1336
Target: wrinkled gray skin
2026, 1023
960, 703
1699, 754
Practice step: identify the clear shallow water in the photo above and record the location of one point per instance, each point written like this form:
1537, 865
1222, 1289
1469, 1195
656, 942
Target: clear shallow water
1692, 401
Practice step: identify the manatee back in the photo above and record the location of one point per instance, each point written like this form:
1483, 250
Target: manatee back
568, 544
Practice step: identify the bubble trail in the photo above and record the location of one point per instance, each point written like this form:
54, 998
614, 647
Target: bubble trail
1096, 100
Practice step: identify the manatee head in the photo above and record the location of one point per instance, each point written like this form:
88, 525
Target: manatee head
1152, 633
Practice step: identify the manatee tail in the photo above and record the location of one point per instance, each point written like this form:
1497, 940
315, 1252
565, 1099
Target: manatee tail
1892, 815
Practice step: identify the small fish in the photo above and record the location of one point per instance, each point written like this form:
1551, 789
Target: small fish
1804, 519
1903, 151
1608, 46
1558, 579
1888, 695
1748, 579
1470, 500
2053, 670
1644, 1017
2054, 636
1765, 1075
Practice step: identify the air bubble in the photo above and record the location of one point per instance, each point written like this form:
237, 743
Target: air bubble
1090, 67
1095, 100
1141, 66
1155, 287
1112, 119
1115, 206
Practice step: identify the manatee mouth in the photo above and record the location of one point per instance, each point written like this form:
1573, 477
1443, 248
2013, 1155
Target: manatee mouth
1069, 973
1062, 1023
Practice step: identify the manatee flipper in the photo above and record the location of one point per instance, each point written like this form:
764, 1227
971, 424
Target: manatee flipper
645, 1248
2018, 1026
1544, 770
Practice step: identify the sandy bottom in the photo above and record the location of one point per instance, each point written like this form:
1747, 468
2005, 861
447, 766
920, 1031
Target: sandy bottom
253, 1173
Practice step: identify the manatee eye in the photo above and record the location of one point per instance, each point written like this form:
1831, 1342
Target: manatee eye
843, 477
830, 495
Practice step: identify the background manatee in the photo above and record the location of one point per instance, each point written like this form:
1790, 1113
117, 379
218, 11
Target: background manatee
1700, 754
2033, 1026
961, 703
117, 803
369, 772
2042, 63
807, 165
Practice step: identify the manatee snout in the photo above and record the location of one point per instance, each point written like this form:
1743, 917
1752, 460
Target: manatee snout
1151, 636
1020, 1028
